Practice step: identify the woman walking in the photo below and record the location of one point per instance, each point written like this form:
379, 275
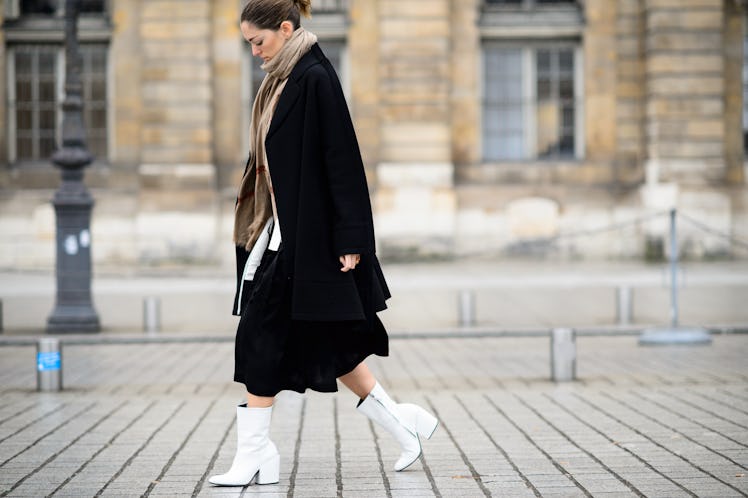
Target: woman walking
308, 281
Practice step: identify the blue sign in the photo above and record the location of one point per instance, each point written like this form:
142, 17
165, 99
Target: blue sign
48, 361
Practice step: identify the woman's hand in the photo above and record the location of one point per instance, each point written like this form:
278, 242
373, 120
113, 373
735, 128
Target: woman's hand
349, 261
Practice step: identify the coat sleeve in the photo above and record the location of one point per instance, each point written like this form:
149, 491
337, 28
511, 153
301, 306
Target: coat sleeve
344, 169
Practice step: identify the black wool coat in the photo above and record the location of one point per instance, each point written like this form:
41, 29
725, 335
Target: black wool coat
322, 199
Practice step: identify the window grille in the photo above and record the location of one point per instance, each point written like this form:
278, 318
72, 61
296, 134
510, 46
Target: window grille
530, 102
36, 92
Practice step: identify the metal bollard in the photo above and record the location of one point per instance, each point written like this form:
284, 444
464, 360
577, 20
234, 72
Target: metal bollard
466, 308
1, 316
151, 314
563, 355
48, 364
624, 305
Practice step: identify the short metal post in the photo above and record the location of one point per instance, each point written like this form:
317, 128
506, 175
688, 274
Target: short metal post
673, 270
563, 355
151, 314
48, 365
1, 316
624, 305
466, 308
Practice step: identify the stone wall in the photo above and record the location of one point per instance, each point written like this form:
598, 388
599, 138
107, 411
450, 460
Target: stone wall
662, 97
175, 84
415, 199
685, 91
630, 92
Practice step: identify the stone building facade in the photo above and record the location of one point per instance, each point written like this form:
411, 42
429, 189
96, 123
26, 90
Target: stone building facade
488, 127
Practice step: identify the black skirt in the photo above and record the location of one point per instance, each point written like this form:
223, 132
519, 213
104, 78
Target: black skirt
273, 353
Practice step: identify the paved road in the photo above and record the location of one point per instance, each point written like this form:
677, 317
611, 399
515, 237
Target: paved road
157, 419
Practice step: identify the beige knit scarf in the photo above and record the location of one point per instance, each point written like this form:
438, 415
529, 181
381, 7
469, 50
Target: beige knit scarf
253, 205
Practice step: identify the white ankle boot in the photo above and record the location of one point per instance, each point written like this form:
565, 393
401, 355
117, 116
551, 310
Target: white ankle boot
256, 455
405, 421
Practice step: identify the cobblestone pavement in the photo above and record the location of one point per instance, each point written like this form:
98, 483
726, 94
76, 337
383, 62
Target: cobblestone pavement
158, 419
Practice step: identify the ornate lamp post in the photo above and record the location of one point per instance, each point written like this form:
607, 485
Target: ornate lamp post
73, 310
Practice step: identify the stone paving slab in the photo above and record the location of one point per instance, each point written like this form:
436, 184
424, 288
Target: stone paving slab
158, 419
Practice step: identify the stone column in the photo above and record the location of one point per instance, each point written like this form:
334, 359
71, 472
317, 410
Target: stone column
415, 199
363, 46
227, 110
178, 205
685, 119
125, 70
733, 40
465, 72
630, 93
600, 79
176, 82
685, 90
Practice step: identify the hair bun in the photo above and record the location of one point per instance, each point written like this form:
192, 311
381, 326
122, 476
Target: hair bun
304, 6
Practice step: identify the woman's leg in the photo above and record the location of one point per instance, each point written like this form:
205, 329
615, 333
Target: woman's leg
359, 380
259, 401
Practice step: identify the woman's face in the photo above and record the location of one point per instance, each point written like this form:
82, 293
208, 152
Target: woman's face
266, 43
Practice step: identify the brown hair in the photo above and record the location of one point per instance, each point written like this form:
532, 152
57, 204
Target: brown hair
269, 14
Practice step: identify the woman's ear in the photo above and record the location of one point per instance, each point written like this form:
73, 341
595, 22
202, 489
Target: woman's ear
286, 29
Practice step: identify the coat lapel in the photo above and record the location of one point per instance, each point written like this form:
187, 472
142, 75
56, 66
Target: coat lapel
287, 99
290, 93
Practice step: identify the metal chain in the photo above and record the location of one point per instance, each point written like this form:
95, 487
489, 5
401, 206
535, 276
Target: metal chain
547, 241
703, 226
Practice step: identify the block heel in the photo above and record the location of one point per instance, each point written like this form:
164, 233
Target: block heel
426, 423
269, 472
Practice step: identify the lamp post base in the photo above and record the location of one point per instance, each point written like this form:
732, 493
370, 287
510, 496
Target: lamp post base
673, 336
67, 319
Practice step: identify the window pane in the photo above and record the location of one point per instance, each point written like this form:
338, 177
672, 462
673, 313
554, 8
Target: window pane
333, 49
47, 90
47, 7
23, 90
544, 88
566, 60
98, 90
24, 147
92, 6
568, 117
36, 101
556, 102
544, 61
548, 128
503, 123
47, 62
97, 119
23, 119
47, 119
566, 89
46, 146
94, 59
329, 6
566, 146
23, 63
